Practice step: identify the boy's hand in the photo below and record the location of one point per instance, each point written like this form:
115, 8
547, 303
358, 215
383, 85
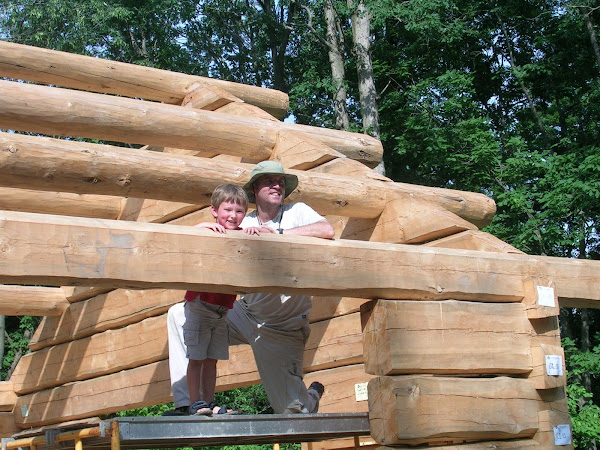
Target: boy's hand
212, 226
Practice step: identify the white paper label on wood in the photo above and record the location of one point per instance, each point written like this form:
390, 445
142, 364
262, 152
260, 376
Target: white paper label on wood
562, 434
24, 411
545, 296
360, 390
554, 365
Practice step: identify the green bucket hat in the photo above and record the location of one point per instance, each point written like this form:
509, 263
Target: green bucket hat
270, 168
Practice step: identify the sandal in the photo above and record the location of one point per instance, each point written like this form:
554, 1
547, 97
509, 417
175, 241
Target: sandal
216, 409
201, 408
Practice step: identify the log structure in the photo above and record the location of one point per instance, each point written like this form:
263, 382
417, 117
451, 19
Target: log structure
445, 335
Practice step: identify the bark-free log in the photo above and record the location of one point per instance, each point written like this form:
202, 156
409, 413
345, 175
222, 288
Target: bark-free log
449, 337
111, 77
74, 113
32, 301
419, 409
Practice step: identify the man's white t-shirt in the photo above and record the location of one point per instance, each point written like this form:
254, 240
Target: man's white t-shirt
281, 311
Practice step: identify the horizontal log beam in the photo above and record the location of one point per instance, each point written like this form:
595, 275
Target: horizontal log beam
84, 168
74, 113
58, 250
111, 77
419, 409
62, 203
32, 301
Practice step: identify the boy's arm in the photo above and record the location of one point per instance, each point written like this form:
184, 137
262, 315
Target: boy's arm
212, 226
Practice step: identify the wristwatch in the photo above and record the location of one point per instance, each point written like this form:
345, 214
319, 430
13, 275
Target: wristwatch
280, 230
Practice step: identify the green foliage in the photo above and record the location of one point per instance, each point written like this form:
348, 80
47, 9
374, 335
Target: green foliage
18, 331
585, 413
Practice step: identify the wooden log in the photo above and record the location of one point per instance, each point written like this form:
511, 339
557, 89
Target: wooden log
53, 164
150, 385
450, 337
75, 113
8, 397
112, 77
540, 298
111, 351
8, 427
142, 256
79, 293
128, 389
32, 301
332, 343
125, 254
341, 386
208, 97
63, 203
296, 151
107, 311
457, 202
363, 442
555, 430
549, 369
420, 409
475, 240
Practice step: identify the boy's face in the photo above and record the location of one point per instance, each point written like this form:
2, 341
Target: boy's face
229, 215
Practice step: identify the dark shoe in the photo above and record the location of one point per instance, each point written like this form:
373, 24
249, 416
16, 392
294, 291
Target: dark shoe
200, 408
181, 411
317, 387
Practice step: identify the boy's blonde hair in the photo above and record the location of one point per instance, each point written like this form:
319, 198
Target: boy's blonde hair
229, 193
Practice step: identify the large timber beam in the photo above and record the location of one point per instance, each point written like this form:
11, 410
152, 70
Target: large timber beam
58, 250
111, 77
32, 301
59, 165
74, 113
63, 203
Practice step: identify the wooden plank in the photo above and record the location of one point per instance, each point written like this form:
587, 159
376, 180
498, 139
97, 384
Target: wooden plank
32, 301
475, 240
296, 151
62, 203
65, 112
112, 77
324, 308
8, 397
332, 343
53, 164
449, 337
142, 256
157, 211
419, 409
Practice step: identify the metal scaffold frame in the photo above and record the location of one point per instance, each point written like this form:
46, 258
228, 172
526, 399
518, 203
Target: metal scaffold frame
197, 431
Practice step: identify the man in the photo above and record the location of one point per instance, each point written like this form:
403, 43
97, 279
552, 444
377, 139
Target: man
275, 325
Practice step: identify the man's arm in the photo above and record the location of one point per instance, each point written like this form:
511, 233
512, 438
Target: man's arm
321, 229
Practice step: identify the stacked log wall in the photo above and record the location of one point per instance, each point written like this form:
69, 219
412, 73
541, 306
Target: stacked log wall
70, 375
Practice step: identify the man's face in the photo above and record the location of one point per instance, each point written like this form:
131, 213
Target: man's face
269, 190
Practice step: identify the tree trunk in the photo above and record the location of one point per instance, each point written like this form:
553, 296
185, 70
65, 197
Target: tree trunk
592, 32
335, 44
361, 33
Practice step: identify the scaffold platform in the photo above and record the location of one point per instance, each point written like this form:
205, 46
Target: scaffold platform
194, 431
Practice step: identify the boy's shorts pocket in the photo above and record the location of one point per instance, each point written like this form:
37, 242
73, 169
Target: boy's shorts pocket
191, 337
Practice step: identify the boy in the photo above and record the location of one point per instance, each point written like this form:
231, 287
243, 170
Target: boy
205, 329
